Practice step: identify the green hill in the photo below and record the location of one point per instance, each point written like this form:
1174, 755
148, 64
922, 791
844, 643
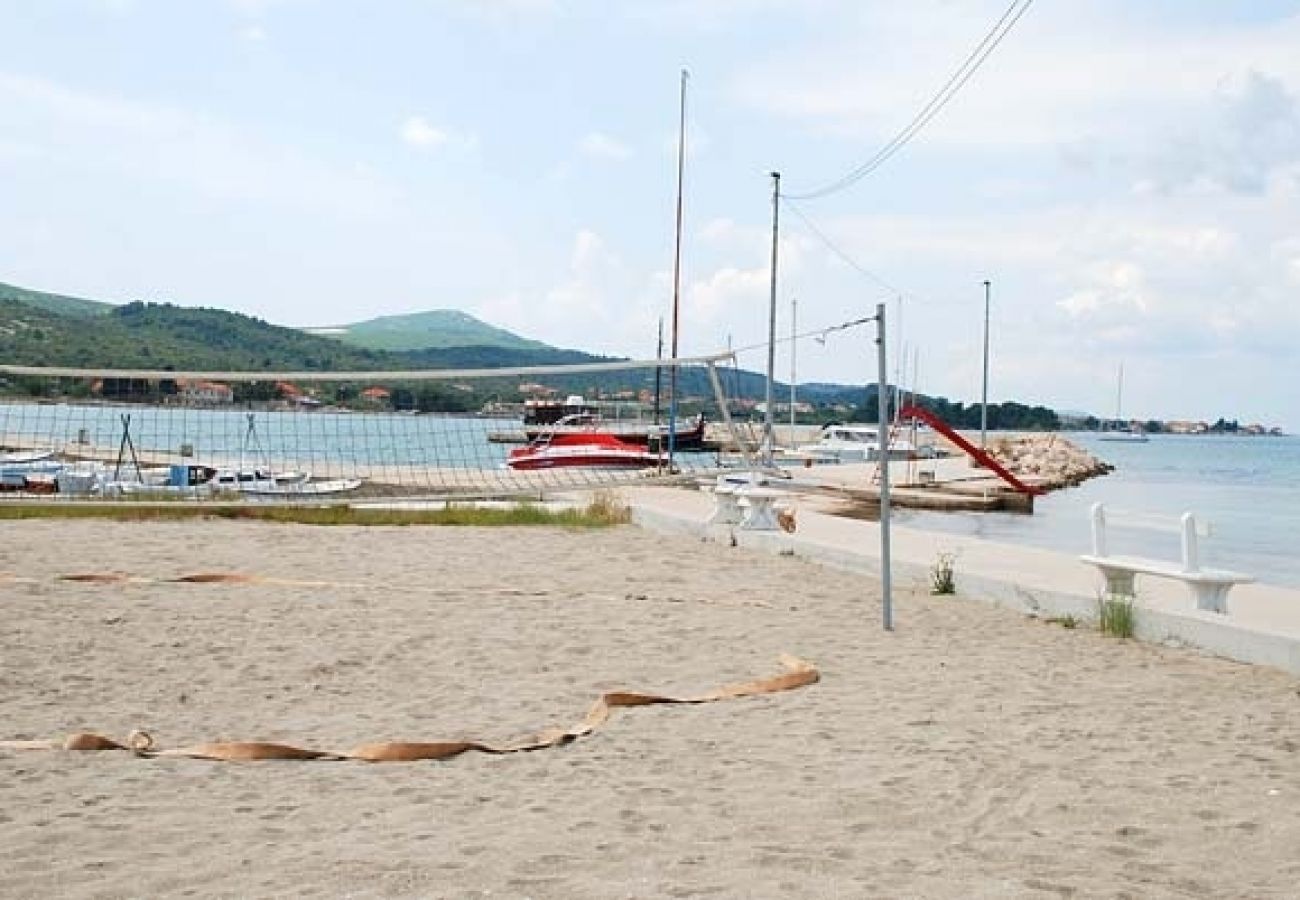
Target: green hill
434, 329
163, 336
55, 303
38, 329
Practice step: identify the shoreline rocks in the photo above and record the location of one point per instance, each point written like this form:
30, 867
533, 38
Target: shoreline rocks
1050, 460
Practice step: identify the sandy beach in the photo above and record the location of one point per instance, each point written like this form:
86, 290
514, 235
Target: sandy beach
974, 752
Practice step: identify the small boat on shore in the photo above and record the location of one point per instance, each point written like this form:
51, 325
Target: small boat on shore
196, 480
587, 449
25, 457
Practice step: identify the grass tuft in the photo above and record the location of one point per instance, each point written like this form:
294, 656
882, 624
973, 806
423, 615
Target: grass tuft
943, 574
1115, 615
608, 508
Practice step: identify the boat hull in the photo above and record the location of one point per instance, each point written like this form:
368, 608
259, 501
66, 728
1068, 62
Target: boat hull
655, 436
585, 450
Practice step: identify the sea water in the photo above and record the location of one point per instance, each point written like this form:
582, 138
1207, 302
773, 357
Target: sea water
1247, 488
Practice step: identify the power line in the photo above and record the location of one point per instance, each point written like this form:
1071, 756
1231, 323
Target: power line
851, 262
830, 245
955, 82
820, 334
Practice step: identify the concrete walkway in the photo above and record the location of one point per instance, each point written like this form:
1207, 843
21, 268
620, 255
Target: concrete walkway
1262, 626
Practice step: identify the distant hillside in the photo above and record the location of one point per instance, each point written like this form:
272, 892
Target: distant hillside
161, 336
56, 303
40, 329
434, 329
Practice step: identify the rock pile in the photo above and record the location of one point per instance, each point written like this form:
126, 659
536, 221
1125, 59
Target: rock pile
1048, 460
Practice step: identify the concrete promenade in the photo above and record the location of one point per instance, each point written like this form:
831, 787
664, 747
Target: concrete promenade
1262, 626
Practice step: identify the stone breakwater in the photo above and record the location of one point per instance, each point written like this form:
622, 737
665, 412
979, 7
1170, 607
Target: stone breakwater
1048, 460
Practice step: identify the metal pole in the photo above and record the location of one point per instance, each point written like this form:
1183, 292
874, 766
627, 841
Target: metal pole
887, 601
659, 370
984, 394
794, 320
677, 273
771, 326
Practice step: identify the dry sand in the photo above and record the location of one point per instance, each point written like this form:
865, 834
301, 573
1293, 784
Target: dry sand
972, 753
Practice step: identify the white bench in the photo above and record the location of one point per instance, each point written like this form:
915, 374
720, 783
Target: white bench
1208, 586
758, 508
726, 491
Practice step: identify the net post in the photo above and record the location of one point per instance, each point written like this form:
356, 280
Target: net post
726, 414
887, 601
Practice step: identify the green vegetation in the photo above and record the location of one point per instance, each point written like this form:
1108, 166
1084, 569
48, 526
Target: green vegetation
943, 574
435, 329
1068, 622
1009, 416
1115, 615
601, 512
54, 303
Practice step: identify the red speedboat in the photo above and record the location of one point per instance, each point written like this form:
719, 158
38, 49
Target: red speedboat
586, 449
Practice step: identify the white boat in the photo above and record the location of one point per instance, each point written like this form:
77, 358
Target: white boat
1129, 433
301, 488
855, 443
1129, 436
196, 481
22, 457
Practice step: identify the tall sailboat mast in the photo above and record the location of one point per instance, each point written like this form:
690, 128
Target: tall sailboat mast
1119, 395
677, 270
659, 370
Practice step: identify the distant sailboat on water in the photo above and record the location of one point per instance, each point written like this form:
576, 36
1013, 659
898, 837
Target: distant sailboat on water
1126, 433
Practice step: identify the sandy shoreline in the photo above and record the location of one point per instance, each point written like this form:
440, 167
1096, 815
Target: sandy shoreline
972, 753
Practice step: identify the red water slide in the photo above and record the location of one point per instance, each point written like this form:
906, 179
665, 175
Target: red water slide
988, 462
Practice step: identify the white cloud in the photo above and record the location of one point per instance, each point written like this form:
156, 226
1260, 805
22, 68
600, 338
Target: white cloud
152, 142
1057, 78
719, 295
1246, 134
597, 145
417, 132
253, 34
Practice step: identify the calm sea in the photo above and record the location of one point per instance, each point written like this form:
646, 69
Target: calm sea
1248, 488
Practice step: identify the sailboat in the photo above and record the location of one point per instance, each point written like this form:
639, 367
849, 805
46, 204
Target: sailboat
1128, 434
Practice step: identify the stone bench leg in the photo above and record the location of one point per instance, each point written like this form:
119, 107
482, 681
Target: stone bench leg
726, 511
1211, 597
759, 514
1119, 582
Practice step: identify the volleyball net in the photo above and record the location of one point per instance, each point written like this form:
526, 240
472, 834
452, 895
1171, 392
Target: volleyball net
345, 436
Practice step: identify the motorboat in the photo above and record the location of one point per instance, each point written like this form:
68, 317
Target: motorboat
588, 449
689, 435
855, 443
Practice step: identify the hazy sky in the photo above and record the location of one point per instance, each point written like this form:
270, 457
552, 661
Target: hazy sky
1126, 174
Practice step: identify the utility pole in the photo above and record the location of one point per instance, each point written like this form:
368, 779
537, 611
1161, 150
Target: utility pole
768, 440
886, 587
984, 394
794, 338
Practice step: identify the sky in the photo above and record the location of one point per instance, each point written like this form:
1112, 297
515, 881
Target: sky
1126, 176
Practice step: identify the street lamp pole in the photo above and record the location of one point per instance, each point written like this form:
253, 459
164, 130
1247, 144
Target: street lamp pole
984, 394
